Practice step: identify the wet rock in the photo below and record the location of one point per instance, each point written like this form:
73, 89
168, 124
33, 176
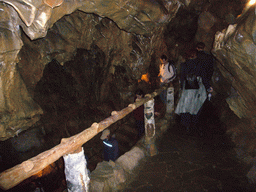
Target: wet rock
107, 176
130, 160
252, 174
235, 52
78, 30
28, 140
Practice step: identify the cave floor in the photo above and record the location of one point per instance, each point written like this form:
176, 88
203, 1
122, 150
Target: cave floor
191, 163
185, 162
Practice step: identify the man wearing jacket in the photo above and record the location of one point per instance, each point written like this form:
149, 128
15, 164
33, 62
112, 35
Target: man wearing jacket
110, 144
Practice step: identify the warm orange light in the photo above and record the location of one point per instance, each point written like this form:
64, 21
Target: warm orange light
251, 2
46, 171
145, 77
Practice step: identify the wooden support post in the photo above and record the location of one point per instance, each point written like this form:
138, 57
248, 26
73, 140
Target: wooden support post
15, 175
150, 128
76, 172
170, 101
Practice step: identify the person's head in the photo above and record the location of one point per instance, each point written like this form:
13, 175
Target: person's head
139, 94
191, 54
163, 59
105, 134
200, 46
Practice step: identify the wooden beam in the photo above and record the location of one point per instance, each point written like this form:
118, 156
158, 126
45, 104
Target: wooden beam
15, 175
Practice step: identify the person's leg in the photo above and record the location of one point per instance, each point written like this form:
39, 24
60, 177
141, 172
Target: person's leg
199, 120
186, 121
140, 127
163, 96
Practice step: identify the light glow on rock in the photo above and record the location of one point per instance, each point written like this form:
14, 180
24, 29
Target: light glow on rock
145, 78
251, 2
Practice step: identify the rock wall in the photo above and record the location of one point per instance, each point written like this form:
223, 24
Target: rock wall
234, 48
124, 42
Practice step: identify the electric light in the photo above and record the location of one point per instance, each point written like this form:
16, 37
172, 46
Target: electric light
251, 2
144, 77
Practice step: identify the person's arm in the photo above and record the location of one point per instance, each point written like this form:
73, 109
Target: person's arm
205, 77
157, 109
210, 90
172, 70
182, 74
207, 71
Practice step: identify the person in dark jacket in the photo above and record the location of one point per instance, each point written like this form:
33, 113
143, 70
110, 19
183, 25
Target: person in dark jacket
192, 100
139, 113
207, 64
196, 65
110, 144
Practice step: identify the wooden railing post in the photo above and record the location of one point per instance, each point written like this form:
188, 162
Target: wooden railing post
170, 100
15, 175
76, 172
150, 128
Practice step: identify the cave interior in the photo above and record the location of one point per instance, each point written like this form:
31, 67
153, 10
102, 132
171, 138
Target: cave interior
89, 62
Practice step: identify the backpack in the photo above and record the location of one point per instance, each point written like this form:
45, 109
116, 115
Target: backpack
171, 63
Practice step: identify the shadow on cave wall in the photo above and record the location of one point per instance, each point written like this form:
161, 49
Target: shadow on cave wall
73, 96
79, 93
68, 94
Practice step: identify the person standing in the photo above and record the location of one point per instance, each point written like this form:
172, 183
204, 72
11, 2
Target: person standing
194, 81
207, 63
167, 74
139, 113
110, 144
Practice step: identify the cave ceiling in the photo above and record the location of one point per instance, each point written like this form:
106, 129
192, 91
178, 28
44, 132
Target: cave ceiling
122, 37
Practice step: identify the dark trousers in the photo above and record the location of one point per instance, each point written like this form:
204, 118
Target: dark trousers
141, 128
189, 120
163, 94
195, 123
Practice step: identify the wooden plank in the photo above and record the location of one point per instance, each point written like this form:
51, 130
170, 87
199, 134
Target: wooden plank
15, 175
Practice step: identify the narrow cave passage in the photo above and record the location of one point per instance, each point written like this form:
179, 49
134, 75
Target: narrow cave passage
69, 107
66, 113
73, 97
185, 162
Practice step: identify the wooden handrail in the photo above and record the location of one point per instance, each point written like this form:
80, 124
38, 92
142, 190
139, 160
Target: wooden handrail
15, 175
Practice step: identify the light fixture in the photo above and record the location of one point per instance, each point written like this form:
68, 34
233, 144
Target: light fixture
251, 2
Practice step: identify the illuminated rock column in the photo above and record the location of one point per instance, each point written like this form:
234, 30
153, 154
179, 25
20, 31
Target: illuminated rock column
150, 128
76, 172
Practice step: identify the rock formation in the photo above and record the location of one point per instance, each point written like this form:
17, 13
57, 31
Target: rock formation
22, 46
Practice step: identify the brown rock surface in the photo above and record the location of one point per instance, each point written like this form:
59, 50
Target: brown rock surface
78, 30
235, 49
